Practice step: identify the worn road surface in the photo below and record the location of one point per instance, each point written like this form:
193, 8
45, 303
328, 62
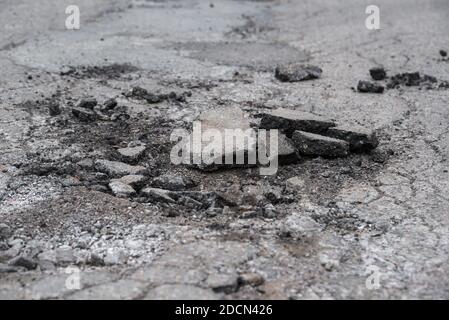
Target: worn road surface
369, 226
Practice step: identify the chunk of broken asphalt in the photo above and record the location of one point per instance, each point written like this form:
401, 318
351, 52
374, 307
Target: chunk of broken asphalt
172, 182
23, 262
411, 79
295, 72
84, 114
288, 121
370, 87
219, 120
443, 53
378, 73
135, 181
131, 154
359, 139
121, 190
156, 194
311, 144
54, 109
118, 169
287, 153
88, 103
110, 104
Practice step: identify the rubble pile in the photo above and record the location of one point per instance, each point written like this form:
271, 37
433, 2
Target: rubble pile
406, 79
314, 135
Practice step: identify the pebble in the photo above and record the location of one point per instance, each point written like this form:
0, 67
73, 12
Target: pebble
370, 87
87, 103
131, 154
118, 169
83, 114
24, 262
172, 182
121, 190
378, 73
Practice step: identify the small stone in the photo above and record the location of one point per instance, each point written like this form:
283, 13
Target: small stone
118, 169
46, 265
226, 283
295, 72
135, 181
115, 256
87, 103
251, 214
23, 262
110, 104
64, 255
131, 154
443, 53
54, 109
172, 182
157, 195
219, 120
269, 211
378, 73
290, 120
359, 139
121, 190
295, 184
95, 260
252, 279
86, 164
311, 144
49, 255
370, 87
411, 79
4, 268
181, 292
5, 231
83, 114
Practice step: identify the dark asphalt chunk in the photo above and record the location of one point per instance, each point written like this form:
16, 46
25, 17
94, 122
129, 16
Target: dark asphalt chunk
87, 103
110, 104
54, 109
411, 79
117, 169
131, 154
172, 182
443, 53
370, 87
311, 144
23, 262
378, 73
297, 72
288, 121
83, 114
220, 120
143, 94
359, 139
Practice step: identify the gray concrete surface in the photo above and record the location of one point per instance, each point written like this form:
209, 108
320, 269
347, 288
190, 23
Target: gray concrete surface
333, 223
